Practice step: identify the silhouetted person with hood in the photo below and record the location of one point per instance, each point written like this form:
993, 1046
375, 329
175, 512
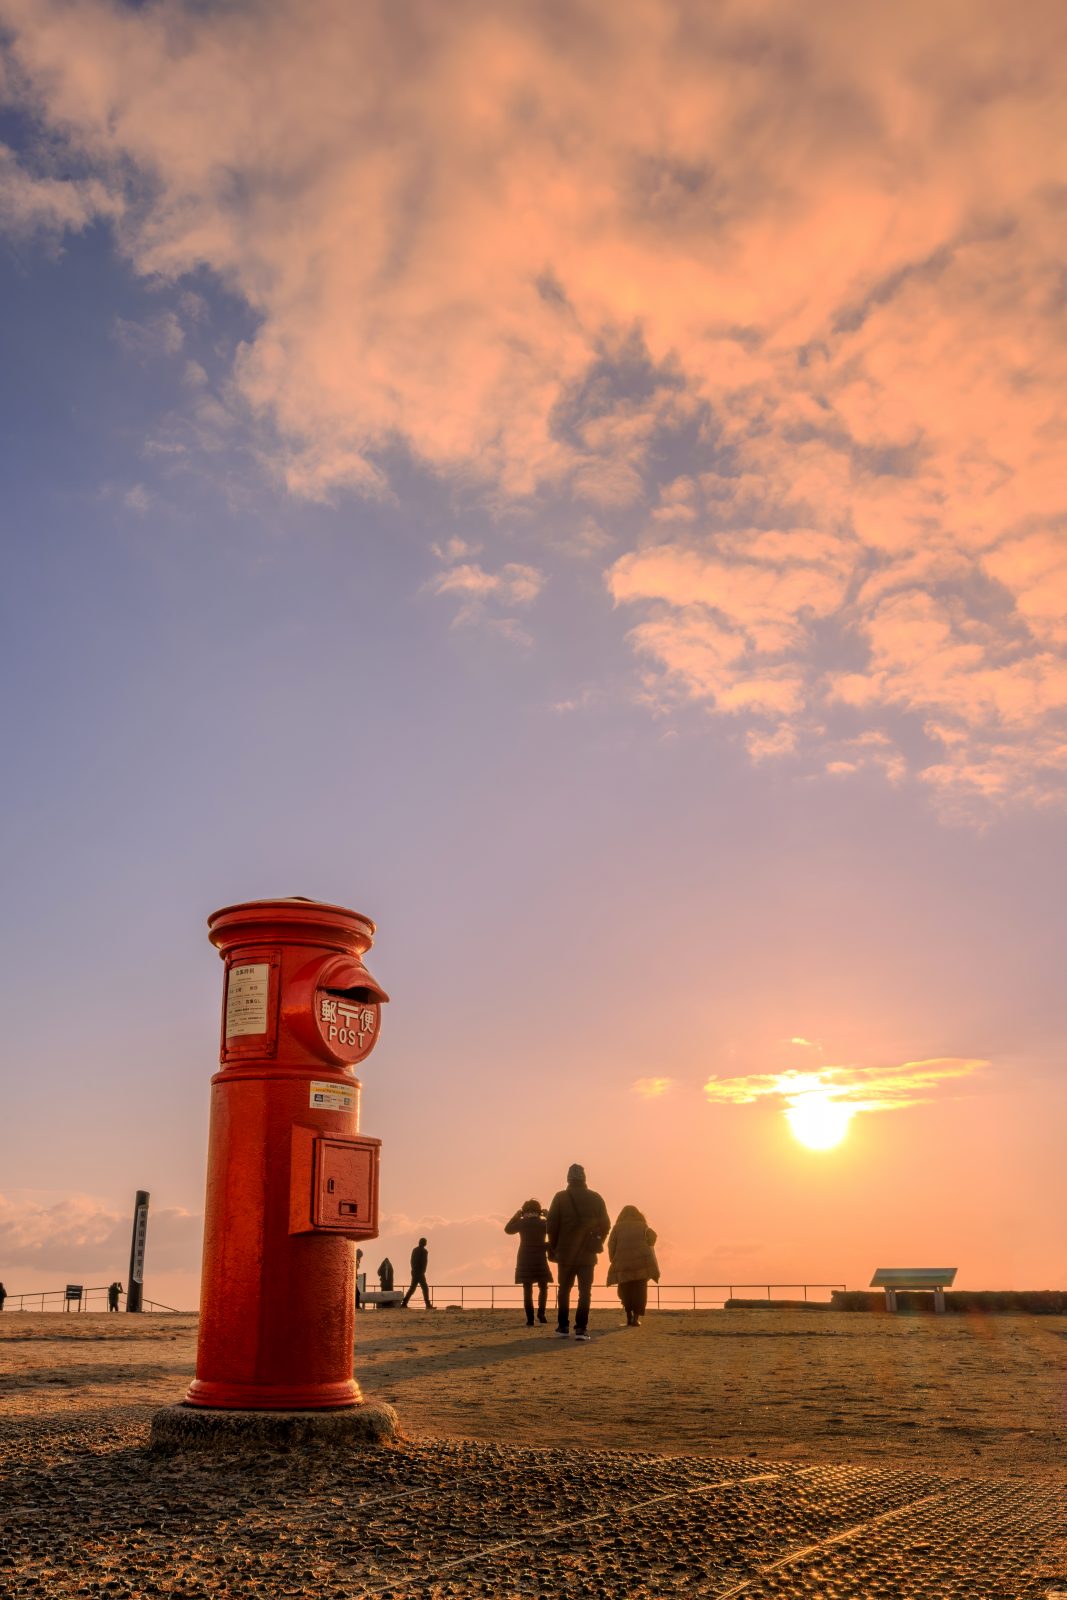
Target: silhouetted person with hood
420, 1257
531, 1265
632, 1254
578, 1224
385, 1276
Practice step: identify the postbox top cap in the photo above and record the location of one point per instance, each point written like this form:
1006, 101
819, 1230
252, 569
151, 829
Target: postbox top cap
291, 916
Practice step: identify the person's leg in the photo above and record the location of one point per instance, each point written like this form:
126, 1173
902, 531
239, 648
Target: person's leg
425, 1287
585, 1295
567, 1276
640, 1297
627, 1302
527, 1302
542, 1301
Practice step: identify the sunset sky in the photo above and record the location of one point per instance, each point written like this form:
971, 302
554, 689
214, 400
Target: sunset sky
584, 485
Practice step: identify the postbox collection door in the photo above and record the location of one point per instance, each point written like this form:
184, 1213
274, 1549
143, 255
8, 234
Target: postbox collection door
345, 1186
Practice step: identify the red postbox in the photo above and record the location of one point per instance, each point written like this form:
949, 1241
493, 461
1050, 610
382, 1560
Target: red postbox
291, 1182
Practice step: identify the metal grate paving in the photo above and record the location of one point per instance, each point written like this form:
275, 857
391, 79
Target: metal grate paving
436, 1520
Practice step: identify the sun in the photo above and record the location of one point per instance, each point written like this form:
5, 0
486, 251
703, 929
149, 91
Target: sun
819, 1121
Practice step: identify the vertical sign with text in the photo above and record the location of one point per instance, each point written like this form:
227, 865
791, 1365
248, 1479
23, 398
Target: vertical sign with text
135, 1288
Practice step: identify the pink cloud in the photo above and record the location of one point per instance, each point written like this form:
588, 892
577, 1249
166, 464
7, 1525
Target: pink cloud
481, 592
81, 1234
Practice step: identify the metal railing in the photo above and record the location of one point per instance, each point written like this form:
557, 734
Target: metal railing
34, 1300
663, 1296
484, 1296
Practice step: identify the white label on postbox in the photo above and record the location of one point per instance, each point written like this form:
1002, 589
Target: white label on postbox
247, 993
332, 1097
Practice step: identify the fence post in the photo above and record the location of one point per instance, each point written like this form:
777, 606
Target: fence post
492, 1297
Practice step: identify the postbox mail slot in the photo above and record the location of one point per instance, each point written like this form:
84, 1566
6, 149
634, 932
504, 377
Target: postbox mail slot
345, 1185
363, 994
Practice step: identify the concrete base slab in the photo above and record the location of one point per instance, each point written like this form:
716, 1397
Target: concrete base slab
182, 1427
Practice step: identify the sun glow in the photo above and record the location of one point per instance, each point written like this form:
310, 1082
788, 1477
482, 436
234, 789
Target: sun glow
819, 1121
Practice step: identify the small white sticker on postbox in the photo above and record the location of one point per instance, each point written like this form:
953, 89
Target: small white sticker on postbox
247, 993
332, 1097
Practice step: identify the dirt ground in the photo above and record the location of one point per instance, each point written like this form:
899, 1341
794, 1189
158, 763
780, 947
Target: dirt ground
984, 1396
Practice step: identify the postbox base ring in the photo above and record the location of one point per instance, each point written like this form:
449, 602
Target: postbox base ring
184, 1427
216, 1395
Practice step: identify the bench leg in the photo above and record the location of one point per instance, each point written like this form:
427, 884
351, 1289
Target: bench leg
891, 1299
939, 1299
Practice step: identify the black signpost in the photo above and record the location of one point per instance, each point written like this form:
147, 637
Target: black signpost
135, 1284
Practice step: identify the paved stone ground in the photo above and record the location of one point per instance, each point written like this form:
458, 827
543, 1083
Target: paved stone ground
87, 1511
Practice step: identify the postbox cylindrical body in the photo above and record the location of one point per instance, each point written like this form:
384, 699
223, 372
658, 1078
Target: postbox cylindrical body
291, 1182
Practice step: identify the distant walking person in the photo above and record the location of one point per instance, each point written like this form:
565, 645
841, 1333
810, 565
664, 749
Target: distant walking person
420, 1257
531, 1264
578, 1224
3, 1296
113, 1292
633, 1261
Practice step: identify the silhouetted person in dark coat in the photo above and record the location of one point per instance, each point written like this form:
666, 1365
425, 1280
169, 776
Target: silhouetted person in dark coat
3, 1296
531, 1265
578, 1224
113, 1292
420, 1257
385, 1275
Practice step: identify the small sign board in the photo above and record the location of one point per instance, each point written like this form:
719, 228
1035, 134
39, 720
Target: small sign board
247, 994
73, 1292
